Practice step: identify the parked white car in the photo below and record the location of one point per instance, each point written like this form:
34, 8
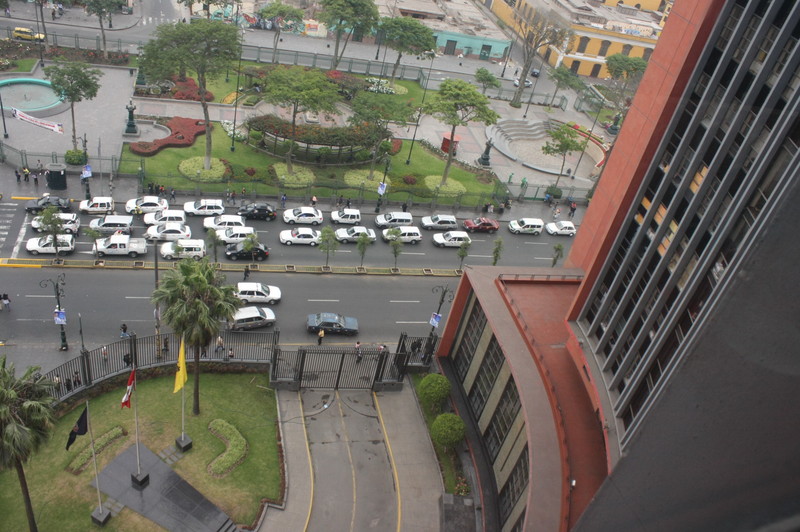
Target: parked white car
44, 244
351, 234
162, 217
300, 235
530, 226
561, 228
407, 234
441, 222
234, 235
146, 204
204, 207
70, 223
258, 293
168, 231
346, 216
302, 215
222, 222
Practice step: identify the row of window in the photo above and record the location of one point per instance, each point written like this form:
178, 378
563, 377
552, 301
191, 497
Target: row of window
473, 329
514, 487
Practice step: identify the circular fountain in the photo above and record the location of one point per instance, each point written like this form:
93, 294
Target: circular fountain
35, 97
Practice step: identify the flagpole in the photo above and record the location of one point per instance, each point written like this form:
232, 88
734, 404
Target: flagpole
94, 457
183, 413
136, 422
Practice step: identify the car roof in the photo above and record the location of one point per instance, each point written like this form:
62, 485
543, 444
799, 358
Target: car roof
248, 312
101, 199
116, 218
442, 217
329, 316
526, 221
460, 234
208, 202
303, 230
188, 242
248, 286
150, 198
350, 211
171, 225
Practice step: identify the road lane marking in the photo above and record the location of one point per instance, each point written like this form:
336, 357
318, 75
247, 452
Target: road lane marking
322, 300
137, 297
407, 253
410, 322
402, 301
482, 256
34, 295
537, 243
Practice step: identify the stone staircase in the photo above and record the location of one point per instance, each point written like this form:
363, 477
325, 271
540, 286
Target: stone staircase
506, 131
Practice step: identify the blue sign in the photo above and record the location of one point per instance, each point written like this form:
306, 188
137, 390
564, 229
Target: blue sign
435, 319
59, 317
381, 189
87, 171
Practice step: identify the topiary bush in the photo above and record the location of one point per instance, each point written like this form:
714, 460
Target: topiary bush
301, 178
448, 430
191, 166
235, 452
434, 389
555, 192
75, 157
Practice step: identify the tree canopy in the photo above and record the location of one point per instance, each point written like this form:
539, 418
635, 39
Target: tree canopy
486, 79
348, 18
207, 47
281, 13
537, 30
300, 90
457, 103
563, 141
373, 112
103, 9
565, 78
625, 72
74, 82
406, 35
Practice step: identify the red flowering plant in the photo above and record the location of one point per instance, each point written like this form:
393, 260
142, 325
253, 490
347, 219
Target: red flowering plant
183, 133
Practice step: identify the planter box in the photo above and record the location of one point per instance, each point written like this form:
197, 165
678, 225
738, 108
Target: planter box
325, 269
427, 271
291, 268
138, 264
361, 269
395, 271
99, 263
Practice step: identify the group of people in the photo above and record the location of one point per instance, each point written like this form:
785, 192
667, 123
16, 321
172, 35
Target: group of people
230, 195
154, 189
26, 173
5, 302
69, 382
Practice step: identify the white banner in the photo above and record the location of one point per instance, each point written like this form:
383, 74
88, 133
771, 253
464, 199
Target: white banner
52, 126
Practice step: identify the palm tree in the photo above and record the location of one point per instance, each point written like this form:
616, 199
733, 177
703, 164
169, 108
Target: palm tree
26, 419
214, 242
195, 303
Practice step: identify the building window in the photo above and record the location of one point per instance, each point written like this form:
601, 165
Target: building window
582, 44
515, 486
604, 48
647, 53
473, 329
626, 49
486, 376
503, 417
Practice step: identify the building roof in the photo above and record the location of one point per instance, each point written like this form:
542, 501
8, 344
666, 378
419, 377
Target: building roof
525, 308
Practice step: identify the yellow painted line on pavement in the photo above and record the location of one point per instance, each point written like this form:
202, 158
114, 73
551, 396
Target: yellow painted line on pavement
391, 458
4, 264
310, 463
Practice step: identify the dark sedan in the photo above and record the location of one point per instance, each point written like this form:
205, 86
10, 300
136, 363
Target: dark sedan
257, 211
38, 205
237, 252
481, 225
332, 323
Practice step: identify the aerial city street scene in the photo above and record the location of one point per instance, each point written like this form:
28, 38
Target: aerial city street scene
399, 265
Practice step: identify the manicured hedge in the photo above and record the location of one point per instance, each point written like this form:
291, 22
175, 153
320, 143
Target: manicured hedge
236, 450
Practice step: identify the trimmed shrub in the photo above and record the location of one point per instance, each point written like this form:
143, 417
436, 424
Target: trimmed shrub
434, 389
82, 459
190, 168
448, 430
450, 188
256, 136
397, 145
301, 178
235, 452
410, 180
555, 192
184, 132
75, 157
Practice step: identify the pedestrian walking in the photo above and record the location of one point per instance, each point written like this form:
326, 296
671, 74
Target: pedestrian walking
36, 180
220, 349
490, 208
165, 348
246, 272
572, 208
2, 305
244, 191
8, 12
6, 302
19, 177
232, 198
127, 359
230, 353
283, 201
320, 336
340, 201
556, 213
57, 383
76, 379
26, 173
516, 73
348, 203
313, 201
172, 194
405, 207
150, 188
53, 13
123, 331
359, 355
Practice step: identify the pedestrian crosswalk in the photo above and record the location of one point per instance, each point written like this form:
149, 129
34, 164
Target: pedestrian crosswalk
7, 211
155, 21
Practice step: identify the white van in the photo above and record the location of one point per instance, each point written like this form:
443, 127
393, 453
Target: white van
184, 248
162, 217
346, 216
408, 234
252, 318
258, 293
394, 219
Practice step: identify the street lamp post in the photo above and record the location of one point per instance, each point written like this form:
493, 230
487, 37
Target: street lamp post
236, 90
508, 58
446, 295
378, 37
588, 139
533, 89
3, 114
432, 53
382, 186
58, 288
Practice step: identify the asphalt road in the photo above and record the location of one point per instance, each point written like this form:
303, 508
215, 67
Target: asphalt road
384, 306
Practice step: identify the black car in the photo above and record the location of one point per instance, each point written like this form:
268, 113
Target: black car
38, 205
257, 211
236, 252
332, 323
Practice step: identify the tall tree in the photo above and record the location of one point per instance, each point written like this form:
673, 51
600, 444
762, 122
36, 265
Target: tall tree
206, 5
563, 141
463, 253
74, 82
52, 225
280, 13
300, 90
537, 30
564, 78
362, 243
625, 72
497, 252
40, 4
372, 113
328, 243
458, 103
250, 245
26, 419
486, 79
214, 242
194, 302
103, 9
208, 47
406, 35
395, 244
346, 18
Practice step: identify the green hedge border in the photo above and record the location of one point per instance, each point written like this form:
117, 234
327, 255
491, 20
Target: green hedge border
81, 460
235, 452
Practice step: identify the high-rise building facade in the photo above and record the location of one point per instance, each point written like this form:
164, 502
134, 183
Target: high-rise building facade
681, 325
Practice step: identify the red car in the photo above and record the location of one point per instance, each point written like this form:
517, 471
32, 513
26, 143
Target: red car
481, 225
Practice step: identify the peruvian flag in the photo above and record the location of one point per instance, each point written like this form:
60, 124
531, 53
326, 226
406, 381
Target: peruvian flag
126, 399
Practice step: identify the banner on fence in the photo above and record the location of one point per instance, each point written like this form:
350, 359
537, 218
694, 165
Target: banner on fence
52, 126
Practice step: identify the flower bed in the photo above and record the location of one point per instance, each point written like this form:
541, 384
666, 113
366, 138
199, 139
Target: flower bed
13, 50
184, 131
188, 90
311, 134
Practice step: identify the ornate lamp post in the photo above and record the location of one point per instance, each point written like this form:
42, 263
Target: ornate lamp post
59, 315
446, 295
3, 114
382, 186
236, 101
432, 54
130, 127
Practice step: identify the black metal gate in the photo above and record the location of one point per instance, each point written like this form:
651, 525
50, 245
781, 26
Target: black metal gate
326, 367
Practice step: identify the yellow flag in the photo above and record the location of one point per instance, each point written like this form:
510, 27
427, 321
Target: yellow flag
181, 377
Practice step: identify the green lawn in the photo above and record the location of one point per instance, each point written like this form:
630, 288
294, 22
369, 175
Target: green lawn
63, 501
25, 65
448, 461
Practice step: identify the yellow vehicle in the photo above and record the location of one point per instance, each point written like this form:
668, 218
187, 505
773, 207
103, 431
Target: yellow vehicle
27, 34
